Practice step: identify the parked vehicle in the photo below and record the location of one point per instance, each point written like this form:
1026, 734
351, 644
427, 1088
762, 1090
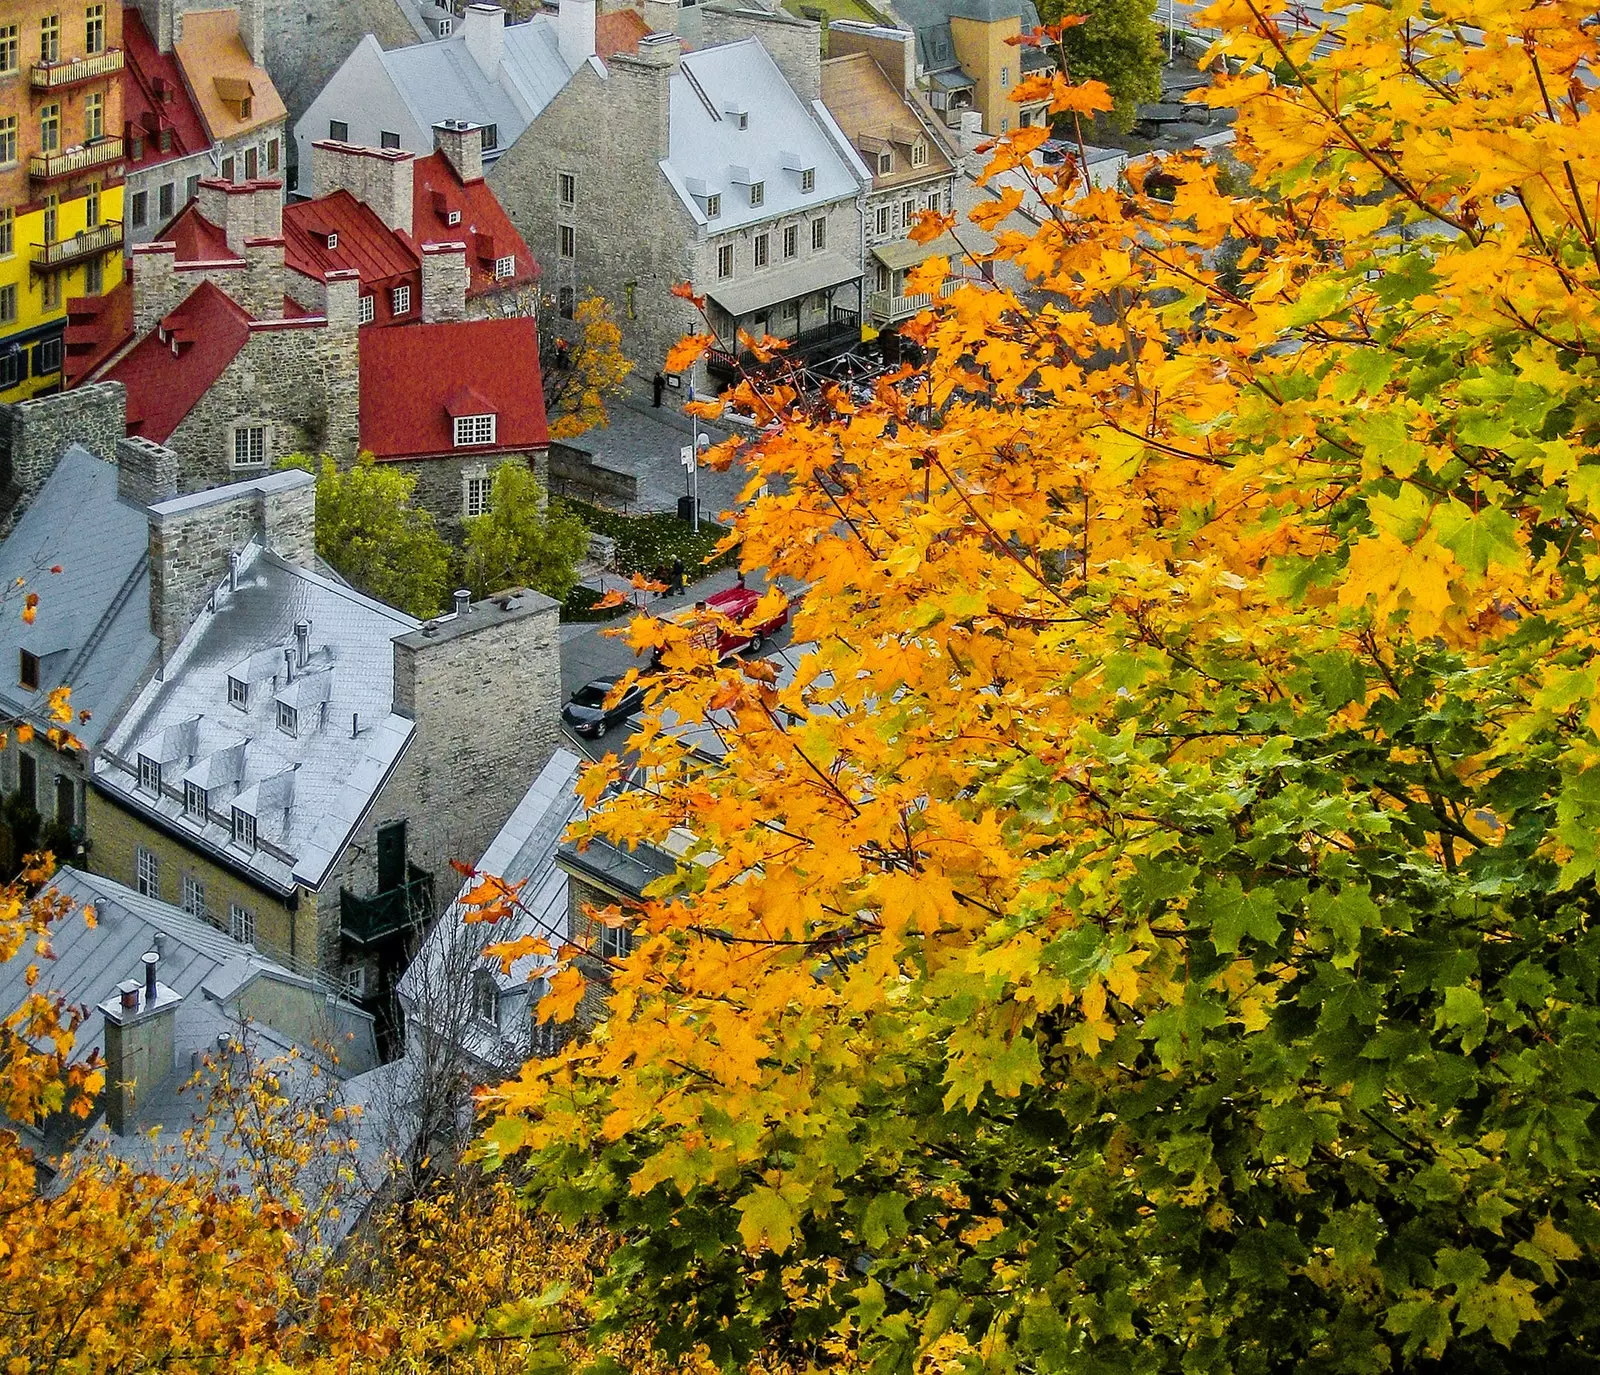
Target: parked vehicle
735, 605
588, 714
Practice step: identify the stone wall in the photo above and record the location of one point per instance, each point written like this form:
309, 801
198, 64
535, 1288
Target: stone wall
441, 490
575, 473
795, 45
34, 435
147, 472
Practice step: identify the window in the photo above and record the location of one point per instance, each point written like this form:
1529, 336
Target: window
66, 800
243, 828
227, 169
147, 868
885, 163
763, 249
91, 205
252, 164
250, 446
139, 209
94, 28
567, 300
355, 981
164, 140
808, 181
288, 719
453, 218
758, 193
933, 201
28, 671
444, 28
339, 131
474, 429
614, 942
191, 189
908, 213
194, 896
475, 498
544, 1038
49, 299
819, 234
1025, 118
8, 305
94, 277
50, 129
1005, 123
12, 366
400, 300
485, 997
94, 116
725, 261
1005, 77
28, 780
333, 241
166, 200
47, 356
568, 241
628, 288
566, 188
8, 140
791, 240
149, 774
238, 693
244, 109
505, 267
883, 221
367, 308
919, 154
491, 137
272, 155
713, 206
241, 924
194, 800
388, 140
50, 38
136, 148
10, 54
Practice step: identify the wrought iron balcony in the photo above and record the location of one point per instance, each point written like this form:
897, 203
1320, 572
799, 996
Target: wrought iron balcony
368, 920
49, 166
54, 76
86, 243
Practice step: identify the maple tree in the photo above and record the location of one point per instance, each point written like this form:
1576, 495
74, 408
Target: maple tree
1152, 929
1118, 44
582, 367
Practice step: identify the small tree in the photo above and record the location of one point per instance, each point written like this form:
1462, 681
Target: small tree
581, 372
1118, 44
368, 529
522, 541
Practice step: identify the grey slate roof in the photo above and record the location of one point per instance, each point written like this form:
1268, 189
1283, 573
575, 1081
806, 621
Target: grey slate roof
930, 21
92, 630
308, 790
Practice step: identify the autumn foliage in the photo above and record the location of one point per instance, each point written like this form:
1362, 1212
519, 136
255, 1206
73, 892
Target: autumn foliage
1153, 930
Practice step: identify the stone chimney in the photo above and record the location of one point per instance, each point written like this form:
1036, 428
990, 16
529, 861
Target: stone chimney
661, 16
157, 286
341, 298
444, 282
461, 142
650, 74
243, 210
381, 177
34, 434
191, 538
575, 31
141, 1044
147, 472
484, 27
253, 29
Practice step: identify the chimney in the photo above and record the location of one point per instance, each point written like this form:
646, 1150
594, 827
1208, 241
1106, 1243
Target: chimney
575, 31
444, 282
661, 16
288, 664
147, 472
484, 27
461, 142
660, 50
141, 1044
243, 210
302, 643
894, 50
253, 29
381, 177
463, 601
233, 572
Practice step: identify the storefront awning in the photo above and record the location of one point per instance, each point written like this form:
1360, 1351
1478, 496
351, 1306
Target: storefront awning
956, 244
747, 295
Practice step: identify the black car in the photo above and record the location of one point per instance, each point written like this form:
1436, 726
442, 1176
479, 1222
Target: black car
588, 714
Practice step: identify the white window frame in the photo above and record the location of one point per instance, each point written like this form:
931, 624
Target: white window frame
452, 218
242, 924
505, 267
238, 693
471, 431
885, 163
194, 896
400, 299
758, 193
713, 205
477, 489
763, 252
566, 241
791, 241
613, 942
919, 154
150, 774
147, 872
355, 981
485, 998
808, 180
243, 828
367, 309
333, 239
193, 793
885, 222
250, 440
288, 719
819, 235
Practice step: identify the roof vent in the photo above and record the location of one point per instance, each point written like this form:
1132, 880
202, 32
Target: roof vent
463, 601
302, 642
233, 572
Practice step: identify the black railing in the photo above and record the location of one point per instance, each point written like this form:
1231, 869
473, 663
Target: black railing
367, 920
806, 347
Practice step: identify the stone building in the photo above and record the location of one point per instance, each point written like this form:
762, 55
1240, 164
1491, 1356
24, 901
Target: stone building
720, 168
305, 761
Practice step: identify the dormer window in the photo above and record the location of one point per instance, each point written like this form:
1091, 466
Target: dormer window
400, 300
485, 997
333, 240
453, 218
288, 719
740, 119
28, 671
244, 108
244, 829
885, 163
238, 693
474, 429
919, 154
808, 181
505, 267
150, 774
444, 28
713, 206
194, 800
758, 192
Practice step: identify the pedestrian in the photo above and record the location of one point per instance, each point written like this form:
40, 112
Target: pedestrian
677, 575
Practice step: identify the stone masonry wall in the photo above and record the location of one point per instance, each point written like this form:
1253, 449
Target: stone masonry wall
34, 434
147, 472
440, 488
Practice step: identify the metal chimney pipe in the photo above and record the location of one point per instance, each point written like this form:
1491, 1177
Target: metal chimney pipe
302, 642
233, 572
463, 601
151, 961
288, 664
128, 995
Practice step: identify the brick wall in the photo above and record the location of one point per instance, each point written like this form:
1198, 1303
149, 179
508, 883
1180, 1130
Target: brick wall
34, 434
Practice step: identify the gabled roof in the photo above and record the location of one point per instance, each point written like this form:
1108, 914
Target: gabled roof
709, 153
618, 32
171, 368
197, 239
866, 105
154, 95
410, 376
365, 242
219, 70
92, 630
484, 225
307, 790
97, 326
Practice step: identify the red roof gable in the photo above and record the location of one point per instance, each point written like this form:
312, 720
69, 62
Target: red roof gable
198, 240
97, 326
484, 226
154, 97
171, 368
412, 379
365, 242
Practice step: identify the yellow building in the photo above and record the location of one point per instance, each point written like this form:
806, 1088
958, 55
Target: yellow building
967, 58
61, 155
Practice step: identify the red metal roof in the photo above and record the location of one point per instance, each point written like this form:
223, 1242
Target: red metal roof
484, 226
412, 379
171, 368
97, 326
198, 240
154, 97
365, 242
